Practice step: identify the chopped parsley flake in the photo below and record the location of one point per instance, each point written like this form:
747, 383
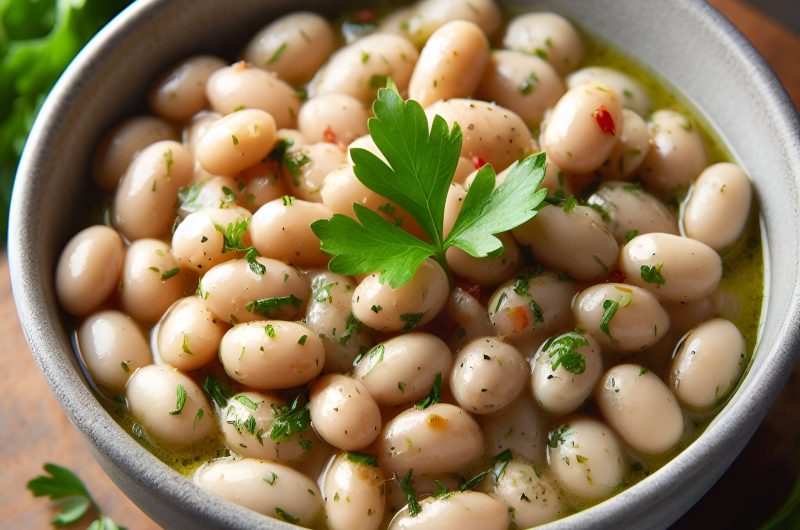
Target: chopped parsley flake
180, 400
652, 274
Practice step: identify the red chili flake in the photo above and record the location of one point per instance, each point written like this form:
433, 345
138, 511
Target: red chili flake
616, 276
478, 162
604, 120
329, 136
518, 317
365, 16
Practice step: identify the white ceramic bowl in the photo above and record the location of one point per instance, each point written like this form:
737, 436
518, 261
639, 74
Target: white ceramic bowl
686, 41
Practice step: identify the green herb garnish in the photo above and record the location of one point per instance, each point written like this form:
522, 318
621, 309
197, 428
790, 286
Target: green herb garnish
277, 55
266, 306
247, 402
407, 487
216, 391
559, 435
435, 394
289, 421
362, 458
180, 399
563, 351
652, 274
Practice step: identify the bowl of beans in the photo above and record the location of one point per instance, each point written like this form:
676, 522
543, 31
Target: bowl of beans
474, 265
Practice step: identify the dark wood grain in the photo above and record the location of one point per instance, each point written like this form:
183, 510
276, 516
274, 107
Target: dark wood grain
34, 429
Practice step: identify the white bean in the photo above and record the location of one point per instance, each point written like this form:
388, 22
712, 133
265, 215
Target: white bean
630, 149
343, 412
464, 510
520, 427
531, 495
197, 243
189, 334
335, 118
629, 91
281, 230
237, 141
548, 35
181, 92
354, 495
151, 280
631, 211
676, 154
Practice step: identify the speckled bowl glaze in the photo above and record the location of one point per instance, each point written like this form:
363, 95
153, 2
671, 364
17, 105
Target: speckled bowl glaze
686, 41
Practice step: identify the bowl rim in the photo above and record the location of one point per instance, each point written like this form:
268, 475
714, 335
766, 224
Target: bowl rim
117, 449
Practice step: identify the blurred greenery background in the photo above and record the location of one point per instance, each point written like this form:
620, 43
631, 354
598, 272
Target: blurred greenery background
38, 39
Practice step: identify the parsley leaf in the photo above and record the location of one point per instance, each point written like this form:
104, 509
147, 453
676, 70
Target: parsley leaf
563, 351
407, 487
362, 458
435, 395
652, 274
289, 421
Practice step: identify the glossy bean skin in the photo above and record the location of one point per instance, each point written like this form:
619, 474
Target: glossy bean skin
718, 206
403, 368
354, 495
631, 211
640, 408
547, 35
262, 486
466, 510
491, 133
530, 494
214, 193
281, 230
488, 375
335, 118
181, 92
305, 182
676, 155
523, 83
243, 86
690, 269
271, 354
439, 439
144, 203
583, 128
189, 334
231, 289
469, 314
520, 427
112, 346
430, 15
328, 314
150, 280
630, 150
197, 127
293, 46
629, 91
88, 269
250, 438
405, 308
577, 242
237, 141
586, 458
638, 322
451, 63
197, 243
261, 185
152, 395
122, 143
560, 391
708, 364
343, 412
347, 71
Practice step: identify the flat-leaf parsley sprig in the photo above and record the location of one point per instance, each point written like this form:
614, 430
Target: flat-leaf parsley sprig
421, 166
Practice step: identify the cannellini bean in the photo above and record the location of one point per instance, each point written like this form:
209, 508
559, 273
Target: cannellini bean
245, 425
144, 204
577, 241
266, 487
197, 127
335, 118
629, 91
676, 154
189, 334
530, 494
88, 269
261, 185
293, 46
354, 495
688, 314
451, 63
151, 280
329, 315
343, 412
469, 315
488, 375
583, 128
215, 192
112, 347
465, 510
522, 83
718, 206
315, 161
271, 354
414, 304
623, 318
433, 14
439, 439
242, 86
237, 293
181, 92
640, 408
237, 141
631, 211
548, 36
586, 459
520, 427
402, 369
532, 306
492, 133
123, 143
671, 267
563, 389
197, 243
281, 230
708, 364
168, 405
630, 150
361, 68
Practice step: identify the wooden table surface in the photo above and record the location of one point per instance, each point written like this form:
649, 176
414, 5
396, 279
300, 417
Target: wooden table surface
35, 430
